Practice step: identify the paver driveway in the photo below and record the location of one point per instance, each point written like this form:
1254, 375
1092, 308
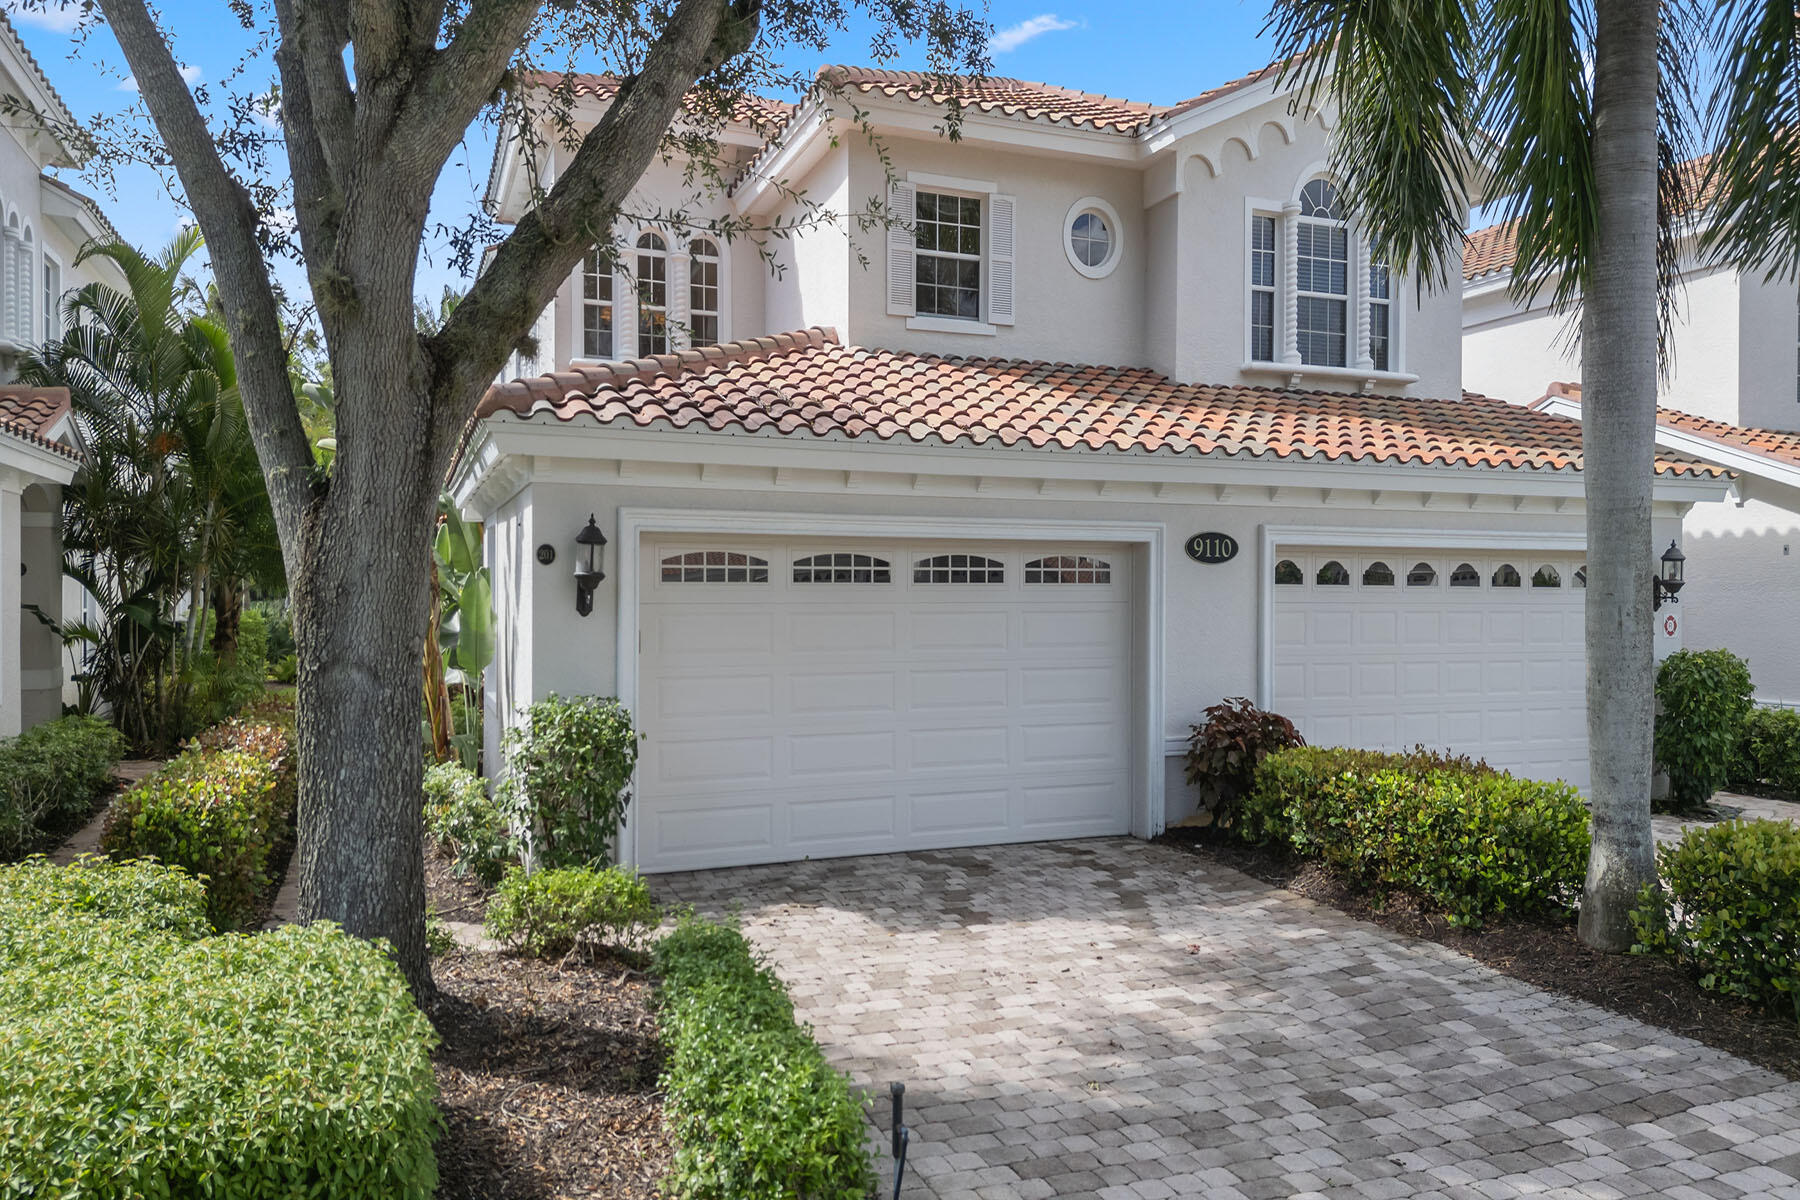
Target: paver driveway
1118, 1019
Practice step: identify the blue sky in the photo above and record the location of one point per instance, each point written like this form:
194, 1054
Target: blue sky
1155, 50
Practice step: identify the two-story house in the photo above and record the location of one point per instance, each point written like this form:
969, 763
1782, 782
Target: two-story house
1731, 398
942, 529
44, 224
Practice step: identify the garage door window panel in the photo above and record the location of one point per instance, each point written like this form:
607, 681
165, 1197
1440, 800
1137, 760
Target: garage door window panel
959, 568
1546, 576
1068, 568
1465, 575
1378, 574
1289, 574
842, 568
1507, 576
1333, 574
1422, 575
715, 566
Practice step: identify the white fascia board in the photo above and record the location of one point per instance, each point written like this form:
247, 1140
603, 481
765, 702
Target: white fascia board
34, 92
1161, 137
29, 458
1018, 134
798, 149
1732, 458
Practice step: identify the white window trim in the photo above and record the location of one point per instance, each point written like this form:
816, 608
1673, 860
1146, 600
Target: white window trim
1353, 351
48, 259
722, 248
934, 322
1114, 227
640, 308
1147, 655
952, 325
578, 316
951, 183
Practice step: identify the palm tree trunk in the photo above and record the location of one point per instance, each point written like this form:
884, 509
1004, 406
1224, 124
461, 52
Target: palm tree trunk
1618, 367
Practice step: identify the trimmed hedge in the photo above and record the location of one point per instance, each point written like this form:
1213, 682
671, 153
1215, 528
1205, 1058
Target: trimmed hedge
218, 810
141, 1058
1769, 752
755, 1108
52, 775
1473, 841
1729, 910
546, 913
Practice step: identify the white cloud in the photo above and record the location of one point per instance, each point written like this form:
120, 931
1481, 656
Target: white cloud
1014, 36
190, 74
61, 19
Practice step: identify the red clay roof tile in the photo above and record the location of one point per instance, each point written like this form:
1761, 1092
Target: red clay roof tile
808, 382
1779, 444
29, 413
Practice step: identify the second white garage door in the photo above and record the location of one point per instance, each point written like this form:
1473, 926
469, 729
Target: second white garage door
1480, 653
808, 698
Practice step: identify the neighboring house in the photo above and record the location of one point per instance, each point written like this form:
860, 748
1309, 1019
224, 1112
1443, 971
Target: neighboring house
37, 457
1732, 398
885, 571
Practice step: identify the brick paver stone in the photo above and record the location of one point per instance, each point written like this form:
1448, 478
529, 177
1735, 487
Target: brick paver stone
1116, 1019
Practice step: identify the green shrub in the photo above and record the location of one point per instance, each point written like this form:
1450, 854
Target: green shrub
755, 1108
139, 1058
285, 669
567, 768
1729, 910
1702, 699
1769, 751
1223, 754
218, 810
52, 775
220, 690
1472, 841
467, 823
547, 913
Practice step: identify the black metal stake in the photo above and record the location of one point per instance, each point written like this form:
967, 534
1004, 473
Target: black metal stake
902, 1135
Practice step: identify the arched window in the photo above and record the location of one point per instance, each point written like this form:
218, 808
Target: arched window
1068, 568
1422, 575
596, 305
1288, 573
1333, 574
1465, 575
1580, 579
1546, 576
842, 568
653, 295
703, 291
715, 566
958, 568
1322, 259
1378, 574
1507, 576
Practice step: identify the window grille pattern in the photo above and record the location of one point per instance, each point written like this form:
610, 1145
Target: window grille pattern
653, 295
596, 305
715, 566
947, 234
703, 291
1379, 574
1465, 575
1288, 573
1381, 290
1333, 574
958, 568
1422, 575
1262, 289
842, 568
1068, 568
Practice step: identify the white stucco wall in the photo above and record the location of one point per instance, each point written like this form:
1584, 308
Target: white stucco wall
808, 281
1743, 567
1768, 353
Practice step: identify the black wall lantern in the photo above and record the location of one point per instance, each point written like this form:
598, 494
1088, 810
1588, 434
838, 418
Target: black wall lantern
1665, 585
590, 564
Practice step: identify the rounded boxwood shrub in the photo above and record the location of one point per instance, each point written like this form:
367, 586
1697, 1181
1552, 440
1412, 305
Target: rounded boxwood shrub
467, 823
1769, 752
1702, 699
546, 913
139, 1058
568, 765
1729, 910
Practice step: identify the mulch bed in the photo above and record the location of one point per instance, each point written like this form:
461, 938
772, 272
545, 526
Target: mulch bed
547, 1071
1545, 955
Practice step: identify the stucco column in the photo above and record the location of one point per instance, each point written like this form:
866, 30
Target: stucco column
1359, 296
11, 597
1290, 282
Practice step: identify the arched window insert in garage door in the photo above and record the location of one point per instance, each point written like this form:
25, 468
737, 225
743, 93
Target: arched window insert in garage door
1068, 568
959, 568
715, 566
842, 568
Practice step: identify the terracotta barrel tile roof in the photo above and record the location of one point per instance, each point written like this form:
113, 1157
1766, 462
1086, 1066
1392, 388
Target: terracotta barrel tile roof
763, 112
29, 413
1014, 97
1780, 444
807, 383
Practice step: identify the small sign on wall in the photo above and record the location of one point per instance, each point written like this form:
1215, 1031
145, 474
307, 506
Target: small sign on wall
1212, 548
1668, 630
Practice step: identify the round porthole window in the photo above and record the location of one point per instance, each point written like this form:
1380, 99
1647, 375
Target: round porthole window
1091, 237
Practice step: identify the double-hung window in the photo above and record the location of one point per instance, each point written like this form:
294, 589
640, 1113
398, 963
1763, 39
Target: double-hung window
53, 291
947, 235
653, 295
1262, 288
1322, 298
1381, 300
596, 305
703, 291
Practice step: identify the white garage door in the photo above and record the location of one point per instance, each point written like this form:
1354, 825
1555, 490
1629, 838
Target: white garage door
805, 699
1482, 654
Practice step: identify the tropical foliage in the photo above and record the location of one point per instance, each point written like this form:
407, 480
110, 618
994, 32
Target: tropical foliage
169, 525
459, 642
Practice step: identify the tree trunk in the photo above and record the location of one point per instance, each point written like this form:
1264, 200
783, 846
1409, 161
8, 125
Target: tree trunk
1618, 368
228, 612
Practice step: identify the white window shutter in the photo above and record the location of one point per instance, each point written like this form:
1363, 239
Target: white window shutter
902, 265
1000, 259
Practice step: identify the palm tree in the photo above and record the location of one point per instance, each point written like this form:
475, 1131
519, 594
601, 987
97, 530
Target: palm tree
171, 505
1570, 108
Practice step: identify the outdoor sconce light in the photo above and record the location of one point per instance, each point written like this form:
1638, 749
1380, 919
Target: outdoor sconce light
1668, 583
590, 563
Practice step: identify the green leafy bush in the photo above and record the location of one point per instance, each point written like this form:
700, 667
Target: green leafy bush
1769, 751
140, 1058
1729, 910
1223, 753
567, 768
1702, 699
221, 690
755, 1108
218, 810
285, 669
467, 823
1472, 841
547, 913
51, 776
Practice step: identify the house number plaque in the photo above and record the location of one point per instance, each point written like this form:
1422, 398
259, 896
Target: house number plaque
1212, 547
